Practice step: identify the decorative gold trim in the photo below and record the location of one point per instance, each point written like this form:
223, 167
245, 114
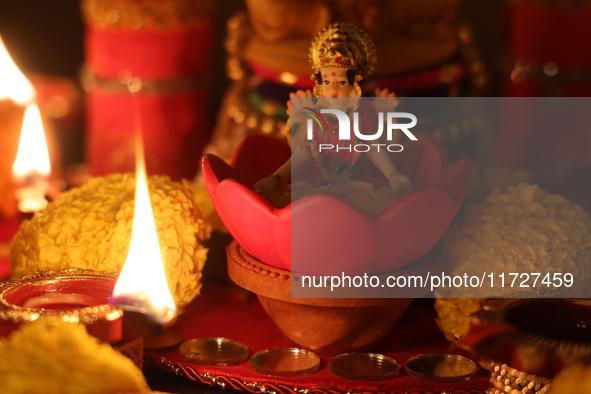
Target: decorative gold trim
358, 90
237, 32
127, 83
239, 256
317, 91
146, 14
87, 315
236, 110
228, 382
506, 379
344, 41
475, 65
521, 71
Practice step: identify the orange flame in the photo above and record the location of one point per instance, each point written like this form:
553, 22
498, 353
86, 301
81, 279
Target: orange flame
32, 165
142, 285
13, 84
32, 156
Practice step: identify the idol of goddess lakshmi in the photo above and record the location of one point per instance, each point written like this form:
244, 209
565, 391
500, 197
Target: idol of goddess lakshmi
342, 57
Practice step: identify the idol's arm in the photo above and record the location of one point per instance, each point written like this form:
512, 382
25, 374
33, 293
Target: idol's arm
399, 183
282, 176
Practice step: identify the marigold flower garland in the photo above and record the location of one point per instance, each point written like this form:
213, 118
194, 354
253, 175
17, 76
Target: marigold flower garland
524, 229
52, 356
573, 379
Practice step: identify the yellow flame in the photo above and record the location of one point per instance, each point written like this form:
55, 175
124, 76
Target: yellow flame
13, 84
142, 281
32, 156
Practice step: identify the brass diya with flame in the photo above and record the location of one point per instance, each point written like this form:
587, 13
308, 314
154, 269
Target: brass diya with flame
98, 299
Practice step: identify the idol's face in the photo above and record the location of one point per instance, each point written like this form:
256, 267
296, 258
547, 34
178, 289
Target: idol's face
335, 83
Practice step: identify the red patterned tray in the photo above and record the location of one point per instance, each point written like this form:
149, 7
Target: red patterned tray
220, 312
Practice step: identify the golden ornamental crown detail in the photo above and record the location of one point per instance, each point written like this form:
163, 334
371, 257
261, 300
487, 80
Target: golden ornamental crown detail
344, 46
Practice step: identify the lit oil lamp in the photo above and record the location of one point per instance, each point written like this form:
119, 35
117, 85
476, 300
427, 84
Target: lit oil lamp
115, 312
31, 170
141, 290
142, 285
16, 92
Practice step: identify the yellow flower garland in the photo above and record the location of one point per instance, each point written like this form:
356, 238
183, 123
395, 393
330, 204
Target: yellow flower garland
524, 229
573, 379
50, 356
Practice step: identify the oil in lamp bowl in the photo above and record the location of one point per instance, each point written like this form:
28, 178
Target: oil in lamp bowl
74, 295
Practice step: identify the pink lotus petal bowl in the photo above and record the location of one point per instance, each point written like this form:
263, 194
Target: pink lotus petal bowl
401, 233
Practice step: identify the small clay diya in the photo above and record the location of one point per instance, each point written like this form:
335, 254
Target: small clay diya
326, 326
74, 295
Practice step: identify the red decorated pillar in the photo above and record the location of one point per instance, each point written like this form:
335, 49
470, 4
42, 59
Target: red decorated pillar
548, 54
158, 51
548, 48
